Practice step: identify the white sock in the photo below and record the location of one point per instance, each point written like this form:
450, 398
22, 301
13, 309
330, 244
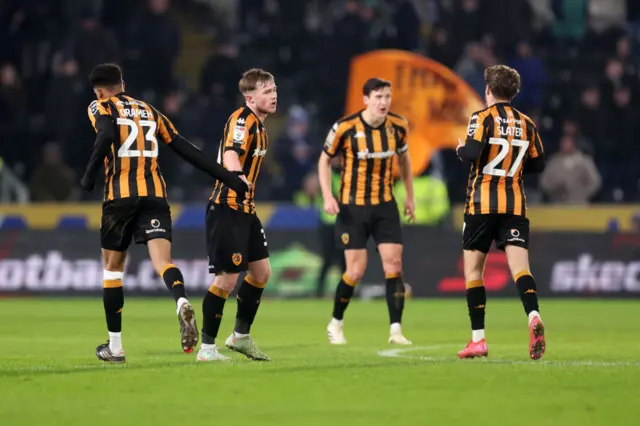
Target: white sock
181, 302
396, 328
477, 335
207, 347
240, 335
115, 342
532, 315
336, 322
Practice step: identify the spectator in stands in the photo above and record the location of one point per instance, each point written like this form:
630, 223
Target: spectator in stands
470, 68
93, 44
571, 22
407, 24
294, 152
620, 150
158, 39
571, 176
605, 14
64, 101
614, 78
516, 27
591, 116
13, 113
533, 75
221, 72
54, 180
570, 127
468, 22
440, 47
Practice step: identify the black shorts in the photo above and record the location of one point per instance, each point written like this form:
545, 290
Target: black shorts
479, 231
140, 218
234, 239
355, 224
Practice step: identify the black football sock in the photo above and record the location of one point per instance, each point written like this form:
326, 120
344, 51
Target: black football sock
212, 307
395, 297
528, 292
248, 299
344, 293
476, 301
174, 281
113, 300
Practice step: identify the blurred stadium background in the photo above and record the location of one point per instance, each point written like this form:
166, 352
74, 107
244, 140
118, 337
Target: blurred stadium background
579, 61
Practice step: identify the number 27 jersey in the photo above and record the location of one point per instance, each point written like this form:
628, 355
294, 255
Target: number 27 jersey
131, 166
509, 139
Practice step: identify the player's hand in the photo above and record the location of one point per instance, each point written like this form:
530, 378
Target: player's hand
239, 184
87, 184
460, 145
410, 209
244, 179
247, 195
331, 205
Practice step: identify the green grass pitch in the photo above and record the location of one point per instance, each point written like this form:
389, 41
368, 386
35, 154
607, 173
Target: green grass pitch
590, 375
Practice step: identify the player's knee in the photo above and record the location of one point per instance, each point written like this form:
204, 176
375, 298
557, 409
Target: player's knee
114, 264
355, 272
261, 276
226, 282
161, 265
392, 266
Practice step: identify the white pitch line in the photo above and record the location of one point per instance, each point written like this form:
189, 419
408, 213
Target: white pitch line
402, 353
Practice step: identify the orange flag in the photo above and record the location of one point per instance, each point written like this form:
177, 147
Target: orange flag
437, 103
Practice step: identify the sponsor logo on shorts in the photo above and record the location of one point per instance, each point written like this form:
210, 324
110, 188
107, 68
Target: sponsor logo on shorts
236, 259
345, 238
515, 236
155, 227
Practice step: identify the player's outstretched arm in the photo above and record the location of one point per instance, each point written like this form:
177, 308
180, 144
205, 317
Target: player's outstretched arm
104, 139
195, 157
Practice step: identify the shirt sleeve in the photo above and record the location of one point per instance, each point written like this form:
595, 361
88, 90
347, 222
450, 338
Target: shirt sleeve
477, 126
535, 148
166, 130
95, 110
403, 132
333, 142
238, 135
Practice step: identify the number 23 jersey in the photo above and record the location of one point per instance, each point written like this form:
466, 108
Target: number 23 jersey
509, 138
131, 166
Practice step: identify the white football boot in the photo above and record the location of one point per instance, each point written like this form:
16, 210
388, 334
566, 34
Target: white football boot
209, 353
335, 333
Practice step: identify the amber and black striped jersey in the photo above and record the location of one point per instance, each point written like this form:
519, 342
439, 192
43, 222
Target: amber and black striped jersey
131, 166
367, 174
509, 139
245, 134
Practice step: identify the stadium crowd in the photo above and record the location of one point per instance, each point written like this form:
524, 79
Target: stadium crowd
578, 60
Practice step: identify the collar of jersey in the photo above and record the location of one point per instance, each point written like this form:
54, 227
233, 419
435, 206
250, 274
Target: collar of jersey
369, 125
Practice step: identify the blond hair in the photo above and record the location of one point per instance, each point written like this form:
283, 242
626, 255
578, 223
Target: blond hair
251, 78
